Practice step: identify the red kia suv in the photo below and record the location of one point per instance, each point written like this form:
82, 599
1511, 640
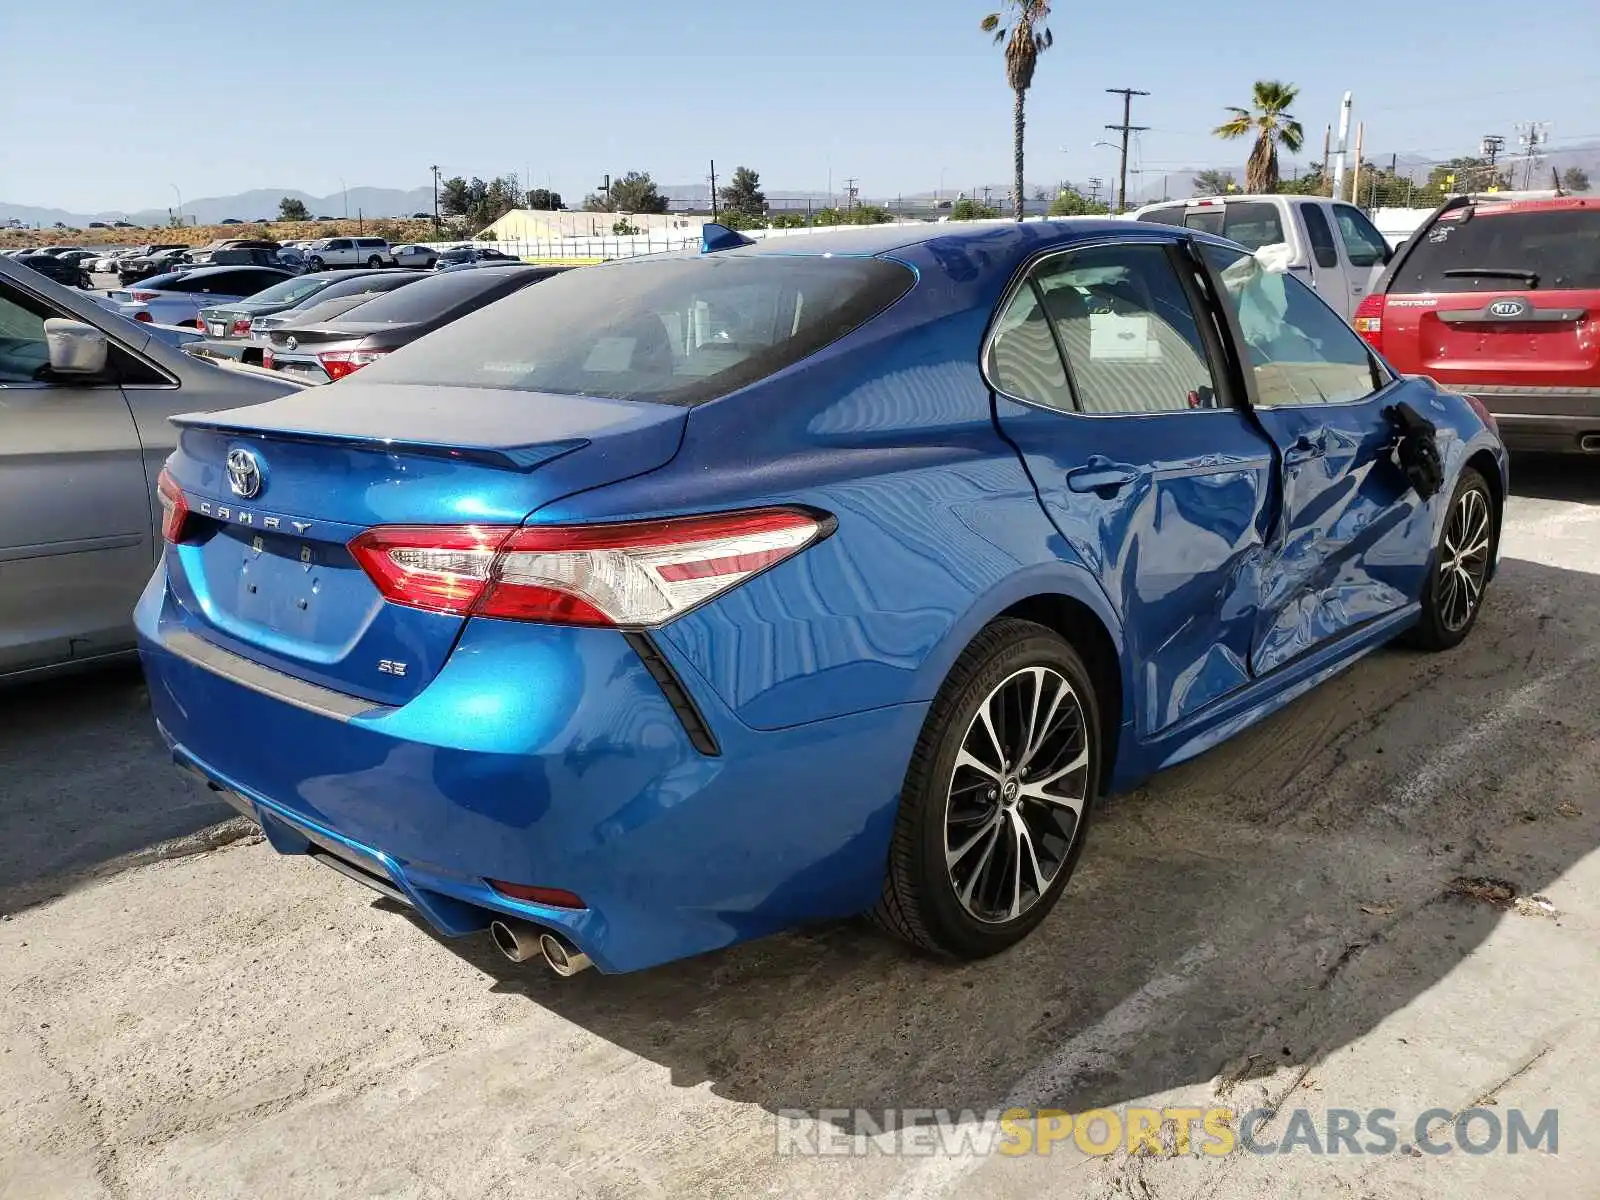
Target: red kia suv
1500, 299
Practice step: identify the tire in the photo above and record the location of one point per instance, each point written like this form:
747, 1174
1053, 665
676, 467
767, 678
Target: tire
1453, 595
375, 262
989, 896
314, 263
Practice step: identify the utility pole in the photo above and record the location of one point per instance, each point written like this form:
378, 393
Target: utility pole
1355, 180
713, 189
1095, 184
1531, 136
851, 191
435, 171
1327, 141
1125, 129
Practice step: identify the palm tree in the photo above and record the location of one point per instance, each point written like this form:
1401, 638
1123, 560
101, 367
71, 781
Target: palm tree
1021, 27
1273, 125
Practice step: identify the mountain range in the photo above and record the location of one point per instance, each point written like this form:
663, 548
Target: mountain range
1143, 185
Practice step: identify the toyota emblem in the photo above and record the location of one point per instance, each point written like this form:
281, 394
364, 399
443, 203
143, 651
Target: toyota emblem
292, 342
244, 474
1508, 308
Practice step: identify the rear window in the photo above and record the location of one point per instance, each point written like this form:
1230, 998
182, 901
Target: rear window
677, 331
430, 297
291, 291
1252, 225
1498, 251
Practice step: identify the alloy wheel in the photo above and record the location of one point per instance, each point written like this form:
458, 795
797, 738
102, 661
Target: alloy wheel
1464, 559
1016, 794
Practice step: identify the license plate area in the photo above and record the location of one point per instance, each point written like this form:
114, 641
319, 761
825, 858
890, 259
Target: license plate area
309, 592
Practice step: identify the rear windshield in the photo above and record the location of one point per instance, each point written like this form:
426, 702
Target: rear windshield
429, 297
1505, 251
290, 291
677, 331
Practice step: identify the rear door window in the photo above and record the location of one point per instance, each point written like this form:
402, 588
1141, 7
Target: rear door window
1503, 251
677, 331
1251, 224
1321, 235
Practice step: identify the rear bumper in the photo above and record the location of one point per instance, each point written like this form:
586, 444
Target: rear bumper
548, 757
1557, 420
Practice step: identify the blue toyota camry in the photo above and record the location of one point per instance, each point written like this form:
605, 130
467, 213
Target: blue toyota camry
676, 601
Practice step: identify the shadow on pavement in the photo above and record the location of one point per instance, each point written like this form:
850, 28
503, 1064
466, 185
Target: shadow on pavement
85, 780
1264, 904
1556, 477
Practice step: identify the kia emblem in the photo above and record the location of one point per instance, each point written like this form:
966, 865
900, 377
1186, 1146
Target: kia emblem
1508, 308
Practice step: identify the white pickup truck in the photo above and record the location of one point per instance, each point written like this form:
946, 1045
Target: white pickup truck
349, 252
1336, 249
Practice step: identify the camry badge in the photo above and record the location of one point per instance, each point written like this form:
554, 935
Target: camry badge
244, 474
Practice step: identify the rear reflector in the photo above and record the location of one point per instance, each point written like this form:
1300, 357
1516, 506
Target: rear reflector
630, 574
142, 316
1368, 320
548, 896
174, 508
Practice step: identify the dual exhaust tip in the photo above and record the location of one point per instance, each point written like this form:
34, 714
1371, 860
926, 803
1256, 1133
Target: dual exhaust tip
522, 942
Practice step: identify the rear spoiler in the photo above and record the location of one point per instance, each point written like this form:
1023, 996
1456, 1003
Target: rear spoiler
510, 458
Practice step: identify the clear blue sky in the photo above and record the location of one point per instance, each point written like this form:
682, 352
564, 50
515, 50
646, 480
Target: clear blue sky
296, 93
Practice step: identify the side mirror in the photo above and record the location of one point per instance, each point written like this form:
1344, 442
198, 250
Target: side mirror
75, 348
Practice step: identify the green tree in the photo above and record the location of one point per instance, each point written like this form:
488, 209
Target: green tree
732, 218
636, 192
1212, 182
1272, 125
544, 200
622, 228
744, 196
455, 198
970, 210
1020, 26
1070, 202
1575, 179
789, 220
290, 209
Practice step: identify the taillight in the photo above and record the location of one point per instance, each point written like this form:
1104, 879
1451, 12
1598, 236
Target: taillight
143, 316
241, 327
142, 297
174, 508
267, 360
339, 363
1368, 320
626, 574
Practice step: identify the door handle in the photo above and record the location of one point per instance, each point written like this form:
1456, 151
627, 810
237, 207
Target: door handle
1303, 451
1355, 291
1102, 475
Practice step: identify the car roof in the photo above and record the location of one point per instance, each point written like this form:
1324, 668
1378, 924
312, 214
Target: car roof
869, 240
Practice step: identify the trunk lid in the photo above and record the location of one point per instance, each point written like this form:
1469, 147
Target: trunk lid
265, 571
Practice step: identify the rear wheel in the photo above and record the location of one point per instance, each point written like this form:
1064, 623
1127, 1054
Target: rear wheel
995, 804
375, 262
314, 263
1453, 594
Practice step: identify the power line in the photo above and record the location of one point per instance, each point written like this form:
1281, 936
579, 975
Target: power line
1125, 129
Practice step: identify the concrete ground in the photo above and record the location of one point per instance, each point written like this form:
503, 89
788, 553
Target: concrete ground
1278, 924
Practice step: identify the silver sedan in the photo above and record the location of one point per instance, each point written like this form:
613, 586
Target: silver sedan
177, 297
85, 397
412, 255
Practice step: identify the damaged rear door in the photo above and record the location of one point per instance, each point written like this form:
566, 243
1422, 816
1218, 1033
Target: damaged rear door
1350, 543
1111, 381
